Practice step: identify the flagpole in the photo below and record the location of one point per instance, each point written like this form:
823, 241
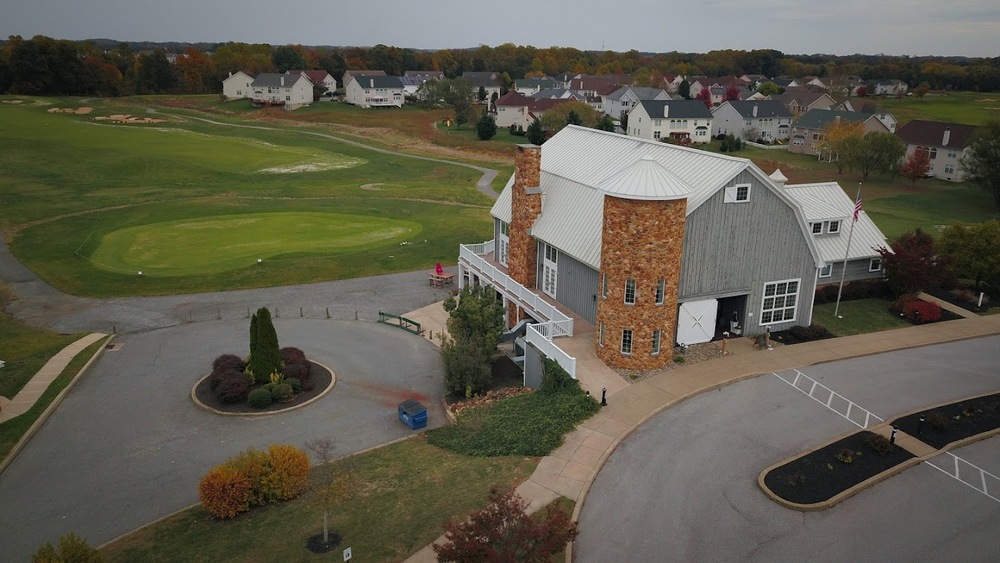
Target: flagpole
850, 235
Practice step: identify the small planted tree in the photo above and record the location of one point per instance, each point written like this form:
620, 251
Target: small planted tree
974, 251
71, 548
913, 264
504, 532
534, 133
334, 488
486, 127
916, 166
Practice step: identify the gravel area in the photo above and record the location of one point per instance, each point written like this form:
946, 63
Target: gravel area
695, 353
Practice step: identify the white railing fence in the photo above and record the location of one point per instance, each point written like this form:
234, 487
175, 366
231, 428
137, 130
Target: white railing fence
537, 336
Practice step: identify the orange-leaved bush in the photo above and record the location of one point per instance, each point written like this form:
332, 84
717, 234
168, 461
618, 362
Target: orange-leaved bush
290, 474
224, 492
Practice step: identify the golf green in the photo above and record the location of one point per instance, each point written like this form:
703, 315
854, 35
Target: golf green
209, 245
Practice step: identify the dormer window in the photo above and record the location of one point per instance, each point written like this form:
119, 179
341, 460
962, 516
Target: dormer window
833, 227
817, 228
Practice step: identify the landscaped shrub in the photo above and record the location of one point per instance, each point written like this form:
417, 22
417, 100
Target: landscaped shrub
72, 548
937, 421
224, 492
228, 362
809, 333
290, 474
233, 387
295, 384
291, 355
878, 444
861, 289
260, 398
281, 392
265, 357
300, 372
557, 380
255, 465
916, 310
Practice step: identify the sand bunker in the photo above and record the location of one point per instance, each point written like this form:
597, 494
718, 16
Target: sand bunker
13, 101
372, 187
78, 111
126, 118
310, 167
984, 100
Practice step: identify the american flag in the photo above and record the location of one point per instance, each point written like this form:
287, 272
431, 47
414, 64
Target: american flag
857, 206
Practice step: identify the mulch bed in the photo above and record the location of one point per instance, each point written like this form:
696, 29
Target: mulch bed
819, 475
800, 334
947, 295
956, 421
316, 544
507, 379
318, 375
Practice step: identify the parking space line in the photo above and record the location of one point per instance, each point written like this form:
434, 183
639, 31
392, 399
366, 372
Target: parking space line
828, 403
984, 476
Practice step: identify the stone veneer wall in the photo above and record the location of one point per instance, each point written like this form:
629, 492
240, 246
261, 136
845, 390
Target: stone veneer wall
642, 240
522, 255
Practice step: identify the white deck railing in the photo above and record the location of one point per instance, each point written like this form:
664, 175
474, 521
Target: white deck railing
538, 336
471, 255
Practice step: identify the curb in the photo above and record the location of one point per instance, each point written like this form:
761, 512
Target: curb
42, 418
333, 382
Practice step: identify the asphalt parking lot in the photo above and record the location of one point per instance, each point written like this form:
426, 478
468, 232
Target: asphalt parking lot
128, 445
683, 486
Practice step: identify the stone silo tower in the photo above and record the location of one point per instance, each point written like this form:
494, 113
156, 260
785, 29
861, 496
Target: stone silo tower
645, 206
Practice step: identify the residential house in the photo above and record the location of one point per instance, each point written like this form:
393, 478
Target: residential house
719, 93
807, 132
529, 86
784, 82
488, 81
424, 74
319, 78
867, 106
350, 75
557, 94
634, 245
622, 100
844, 85
684, 121
839, 238
945, 143
813, 81
799, 101
375, 91
517, 110
753, 81
589, 86
891, 87
767, 120
288, 90
672, 82
237, 86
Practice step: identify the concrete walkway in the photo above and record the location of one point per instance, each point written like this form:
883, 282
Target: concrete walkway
570, 470
33, 389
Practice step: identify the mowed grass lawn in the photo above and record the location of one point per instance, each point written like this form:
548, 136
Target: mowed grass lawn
71, 183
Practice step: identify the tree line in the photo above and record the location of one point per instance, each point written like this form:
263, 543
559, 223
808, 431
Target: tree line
46, 66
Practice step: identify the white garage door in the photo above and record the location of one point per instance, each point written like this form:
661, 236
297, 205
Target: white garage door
696, 321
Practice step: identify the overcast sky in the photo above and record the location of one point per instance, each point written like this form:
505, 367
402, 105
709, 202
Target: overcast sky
842, 27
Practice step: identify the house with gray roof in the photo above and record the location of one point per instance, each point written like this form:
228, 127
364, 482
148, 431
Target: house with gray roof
807, 132
375, 91
945, 143
800, 100
622, 100
627, 246
488, 81
530, 86
683, 121
287, 90
351, 74
557, 94
752, 120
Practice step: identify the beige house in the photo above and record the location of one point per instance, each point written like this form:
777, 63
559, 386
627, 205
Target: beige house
945, 143
683, 121
375, 91
287, 90
799, 101
807, 132
237, 86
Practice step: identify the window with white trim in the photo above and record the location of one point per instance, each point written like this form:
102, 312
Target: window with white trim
833, 227
661, 287
627, 341
826, 271
817, 228
780, 300
656, 342
630, 291
504, 243
739, 193
600, 335
604, 285
875, 265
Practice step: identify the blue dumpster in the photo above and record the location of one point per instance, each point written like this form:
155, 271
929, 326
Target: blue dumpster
413, 414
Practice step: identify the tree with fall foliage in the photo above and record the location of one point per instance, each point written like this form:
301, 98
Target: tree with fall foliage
732, 93
921, 90
835, 138
569, 113
503, 532
875, 152
916, 166
705, 96
334, 486
913, 264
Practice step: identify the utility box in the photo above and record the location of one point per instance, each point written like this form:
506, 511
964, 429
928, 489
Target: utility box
413, 414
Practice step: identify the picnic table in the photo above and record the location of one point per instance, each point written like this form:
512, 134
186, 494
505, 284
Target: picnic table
440, 279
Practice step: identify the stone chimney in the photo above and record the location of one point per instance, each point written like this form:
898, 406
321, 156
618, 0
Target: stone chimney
946, 138
755, 110
526, 206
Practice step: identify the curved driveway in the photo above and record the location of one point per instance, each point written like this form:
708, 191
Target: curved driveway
683, 486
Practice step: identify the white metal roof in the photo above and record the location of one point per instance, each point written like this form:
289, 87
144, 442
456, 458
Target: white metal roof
576, 228
827, 201
502, 206
645, 179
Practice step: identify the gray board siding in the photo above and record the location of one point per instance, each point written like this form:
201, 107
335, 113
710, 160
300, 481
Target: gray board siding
735, 248
533, 366
856, 270
576, 287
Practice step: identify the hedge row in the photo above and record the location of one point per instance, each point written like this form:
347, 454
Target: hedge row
254, 478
